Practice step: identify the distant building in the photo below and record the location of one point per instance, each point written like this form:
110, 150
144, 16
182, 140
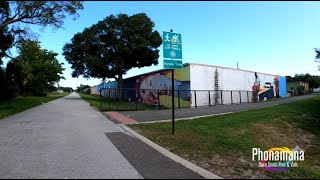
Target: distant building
292, 87
219, 80
94, 90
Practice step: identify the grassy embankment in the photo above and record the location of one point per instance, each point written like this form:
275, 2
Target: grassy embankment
20, 104
223, 144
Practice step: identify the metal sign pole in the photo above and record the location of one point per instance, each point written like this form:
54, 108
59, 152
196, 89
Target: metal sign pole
172, 79
172, 50
172, 101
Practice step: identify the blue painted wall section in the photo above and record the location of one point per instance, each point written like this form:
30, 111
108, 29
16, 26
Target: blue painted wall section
282, 86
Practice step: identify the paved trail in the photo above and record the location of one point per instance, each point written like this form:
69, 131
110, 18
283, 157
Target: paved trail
156, 115
64, 138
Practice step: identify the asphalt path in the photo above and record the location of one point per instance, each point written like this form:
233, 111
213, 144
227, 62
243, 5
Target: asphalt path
64, 138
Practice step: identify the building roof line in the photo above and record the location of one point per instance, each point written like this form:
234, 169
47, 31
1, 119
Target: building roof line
188, 63
230, 68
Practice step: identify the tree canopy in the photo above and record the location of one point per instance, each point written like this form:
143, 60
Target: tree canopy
111, 47
83, 89
66, 89
314, 81
15, 16
36, 70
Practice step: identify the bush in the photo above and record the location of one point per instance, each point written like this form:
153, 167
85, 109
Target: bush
300, 90
87, 91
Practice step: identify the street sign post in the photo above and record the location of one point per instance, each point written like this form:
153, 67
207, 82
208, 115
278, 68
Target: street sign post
172, 49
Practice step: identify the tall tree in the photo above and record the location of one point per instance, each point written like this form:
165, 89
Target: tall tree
15, 16
109, 48
36, 70
5, 36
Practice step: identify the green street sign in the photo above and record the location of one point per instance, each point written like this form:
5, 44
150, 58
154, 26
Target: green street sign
172, 45
172, 64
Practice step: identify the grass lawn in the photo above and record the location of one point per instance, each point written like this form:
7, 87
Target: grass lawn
107, 105
23, 103
223, 144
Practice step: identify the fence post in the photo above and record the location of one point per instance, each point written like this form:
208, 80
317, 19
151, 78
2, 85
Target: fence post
158, 96
248, 96
240, 96
195, 98
178, 99
221, 99
231, 98
100, 101
209, 99
136, 100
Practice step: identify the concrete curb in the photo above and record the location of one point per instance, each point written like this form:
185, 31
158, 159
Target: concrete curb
202, 172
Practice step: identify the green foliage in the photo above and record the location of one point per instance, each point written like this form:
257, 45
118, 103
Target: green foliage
3, 84
109, 48
35, 70
314, 81
300, 90
15, 16
66, 89
6, 42
23, 103
5, 36
83, 89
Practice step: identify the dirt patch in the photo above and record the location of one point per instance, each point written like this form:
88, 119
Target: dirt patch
281, 135
239, 165
232, 168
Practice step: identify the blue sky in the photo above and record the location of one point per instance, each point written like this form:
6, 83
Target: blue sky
271, 37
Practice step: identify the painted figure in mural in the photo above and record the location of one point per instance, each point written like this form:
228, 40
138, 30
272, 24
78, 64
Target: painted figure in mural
276, 84
152, 84
255, 88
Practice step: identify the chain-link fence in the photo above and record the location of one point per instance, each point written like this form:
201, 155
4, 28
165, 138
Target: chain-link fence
147, 99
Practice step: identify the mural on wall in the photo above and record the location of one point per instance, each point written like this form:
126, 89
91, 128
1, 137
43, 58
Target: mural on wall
276, 86
255, 88
267, 91
152, 84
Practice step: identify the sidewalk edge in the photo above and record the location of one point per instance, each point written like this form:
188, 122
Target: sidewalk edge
202, 172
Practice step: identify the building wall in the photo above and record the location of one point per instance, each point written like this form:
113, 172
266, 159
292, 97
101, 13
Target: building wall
105, 88
150, 83
283, 86
198, 77
94, 90
294, 85
204, 77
